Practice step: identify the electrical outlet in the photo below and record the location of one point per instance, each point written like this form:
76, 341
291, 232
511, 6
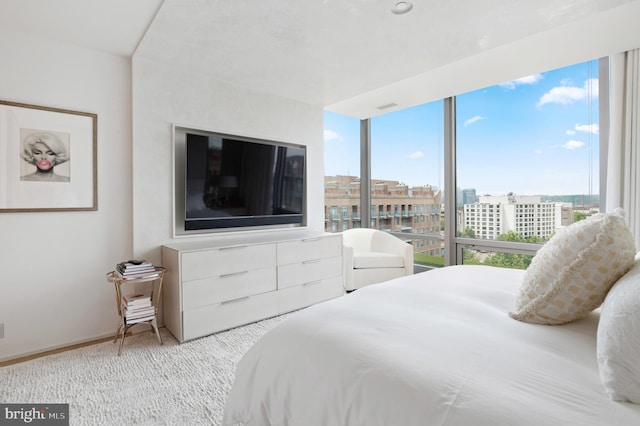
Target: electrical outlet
2, 331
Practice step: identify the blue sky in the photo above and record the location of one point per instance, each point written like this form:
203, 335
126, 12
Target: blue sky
534, 135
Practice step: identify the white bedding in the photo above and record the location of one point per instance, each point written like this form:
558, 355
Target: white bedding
436, 348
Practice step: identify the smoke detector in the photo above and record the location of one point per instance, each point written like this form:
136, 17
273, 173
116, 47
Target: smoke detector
402, 7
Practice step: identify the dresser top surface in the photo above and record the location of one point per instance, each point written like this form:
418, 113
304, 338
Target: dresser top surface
247, 239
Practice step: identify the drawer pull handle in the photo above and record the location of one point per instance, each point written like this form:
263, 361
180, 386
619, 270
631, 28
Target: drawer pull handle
232, 248
239, 299
232, 274
310, 240
309, 284
306, 262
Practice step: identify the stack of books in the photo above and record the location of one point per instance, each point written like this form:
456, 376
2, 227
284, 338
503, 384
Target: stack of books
137, 308
135, 269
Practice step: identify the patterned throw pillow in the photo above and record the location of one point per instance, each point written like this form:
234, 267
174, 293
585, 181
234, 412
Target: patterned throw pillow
572, 273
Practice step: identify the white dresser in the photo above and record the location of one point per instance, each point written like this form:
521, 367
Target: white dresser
223, 283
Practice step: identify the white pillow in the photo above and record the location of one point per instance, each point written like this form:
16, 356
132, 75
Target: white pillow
572, 273
618, 346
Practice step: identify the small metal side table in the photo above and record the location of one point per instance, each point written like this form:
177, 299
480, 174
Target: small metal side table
118, 281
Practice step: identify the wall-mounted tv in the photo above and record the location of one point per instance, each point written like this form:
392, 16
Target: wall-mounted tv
236, 182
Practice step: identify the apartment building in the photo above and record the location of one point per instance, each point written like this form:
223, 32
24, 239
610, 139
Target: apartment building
526, 215
395, 207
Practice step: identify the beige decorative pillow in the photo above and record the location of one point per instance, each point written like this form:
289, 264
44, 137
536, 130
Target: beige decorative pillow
572, 273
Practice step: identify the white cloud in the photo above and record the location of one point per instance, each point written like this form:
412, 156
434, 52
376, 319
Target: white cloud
473, 120
530, 79
588, 128
537, 151
330, 135
573, 144
415, 155
571, 132
567, 93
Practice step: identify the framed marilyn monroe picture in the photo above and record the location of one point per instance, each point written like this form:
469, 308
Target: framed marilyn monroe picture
48, 159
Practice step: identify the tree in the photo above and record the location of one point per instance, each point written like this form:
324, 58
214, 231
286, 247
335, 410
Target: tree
509, 260
578, 216
469, 257
512, 260
467, 233
511, 236
533, 239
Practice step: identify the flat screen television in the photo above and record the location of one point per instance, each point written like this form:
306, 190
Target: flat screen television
235, 182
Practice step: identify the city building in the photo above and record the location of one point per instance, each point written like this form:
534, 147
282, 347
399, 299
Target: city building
526, 215
469, 196
395, 207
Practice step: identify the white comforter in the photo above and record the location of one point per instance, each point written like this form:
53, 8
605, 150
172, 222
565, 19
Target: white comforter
436, 348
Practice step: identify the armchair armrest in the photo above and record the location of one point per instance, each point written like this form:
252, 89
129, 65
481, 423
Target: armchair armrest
408, 259
347, 256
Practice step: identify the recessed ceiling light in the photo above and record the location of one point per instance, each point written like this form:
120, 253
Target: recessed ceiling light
402, 7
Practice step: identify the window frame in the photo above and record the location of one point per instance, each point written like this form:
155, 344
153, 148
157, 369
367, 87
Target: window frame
454, 245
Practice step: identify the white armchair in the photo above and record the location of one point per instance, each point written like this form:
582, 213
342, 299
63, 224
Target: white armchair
372, 256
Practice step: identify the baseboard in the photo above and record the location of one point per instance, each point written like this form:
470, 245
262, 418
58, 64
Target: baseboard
62, 348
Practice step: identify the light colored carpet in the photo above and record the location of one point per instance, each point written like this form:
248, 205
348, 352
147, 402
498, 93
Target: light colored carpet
149, 384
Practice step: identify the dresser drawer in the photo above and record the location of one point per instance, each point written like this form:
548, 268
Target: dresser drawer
212, 263
309, 271
227, 287
223, 316
308, 294
309, 249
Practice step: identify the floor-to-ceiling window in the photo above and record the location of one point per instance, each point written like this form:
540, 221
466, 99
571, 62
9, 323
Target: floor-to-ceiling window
342, 173
524, 163
407, 178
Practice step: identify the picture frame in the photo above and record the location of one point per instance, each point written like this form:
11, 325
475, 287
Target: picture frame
48, 159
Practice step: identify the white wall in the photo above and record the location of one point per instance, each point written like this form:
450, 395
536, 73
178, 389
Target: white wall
52, 287
53, 291
163, 96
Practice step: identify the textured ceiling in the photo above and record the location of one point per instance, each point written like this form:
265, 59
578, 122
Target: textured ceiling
321, 52
112, 26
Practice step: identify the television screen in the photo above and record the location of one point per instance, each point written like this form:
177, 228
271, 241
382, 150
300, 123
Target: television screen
238, 182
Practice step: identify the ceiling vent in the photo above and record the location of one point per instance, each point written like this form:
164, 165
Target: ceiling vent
387, 106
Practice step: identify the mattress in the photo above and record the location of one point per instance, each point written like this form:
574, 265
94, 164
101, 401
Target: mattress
436, 348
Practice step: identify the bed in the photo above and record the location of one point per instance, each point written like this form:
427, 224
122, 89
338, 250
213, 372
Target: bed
436, 348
